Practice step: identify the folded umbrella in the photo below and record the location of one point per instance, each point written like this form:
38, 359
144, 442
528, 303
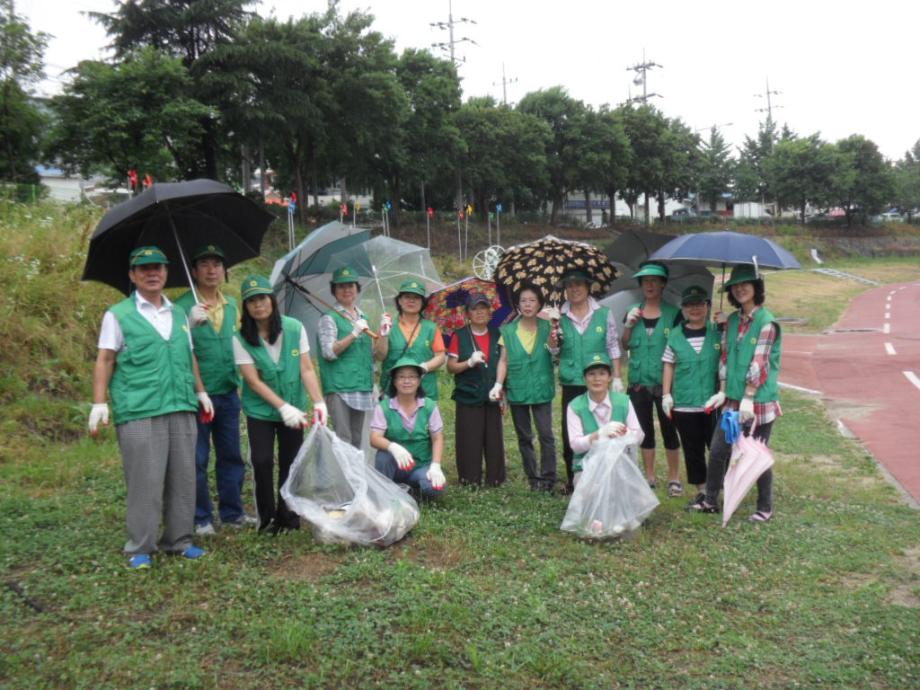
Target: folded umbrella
750, 458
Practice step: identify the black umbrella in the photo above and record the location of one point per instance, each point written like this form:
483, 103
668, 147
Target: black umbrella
177, 217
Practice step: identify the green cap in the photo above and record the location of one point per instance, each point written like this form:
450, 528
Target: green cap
346, 274
147, 255
576, 274
413, 287
693, 294
648, 268
742, 273
208, 250
598, 359
407, 362
253, 285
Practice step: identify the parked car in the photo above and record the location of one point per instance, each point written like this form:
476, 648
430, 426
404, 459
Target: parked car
683, 214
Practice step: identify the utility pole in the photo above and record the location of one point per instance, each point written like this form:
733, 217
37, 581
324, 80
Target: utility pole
766, 94
504, 82
641, 79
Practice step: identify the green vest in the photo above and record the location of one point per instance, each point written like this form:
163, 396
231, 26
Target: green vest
619, 403
530, 375
283, 378
353, 369
696, 375
420, 351
741, 353
578, 348
472, 386
645, 350
152, 376
417, 441
214, 349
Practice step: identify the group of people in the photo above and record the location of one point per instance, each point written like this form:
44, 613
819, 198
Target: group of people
162, 363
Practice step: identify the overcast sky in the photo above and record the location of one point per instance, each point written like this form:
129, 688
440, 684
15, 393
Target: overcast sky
842, 68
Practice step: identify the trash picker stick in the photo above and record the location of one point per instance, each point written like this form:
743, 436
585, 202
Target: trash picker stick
326, 304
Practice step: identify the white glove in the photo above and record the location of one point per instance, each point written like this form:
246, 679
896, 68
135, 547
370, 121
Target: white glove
616, 385
721, 318
320, 413
436, 476
552, 314
424, 367
402, 456
476, 359
496, 392
359, 327
746, 410
99, 413
198, 315
715, 402
667, 404
633, 316
386, 323
292, 417
207, 407
612, 429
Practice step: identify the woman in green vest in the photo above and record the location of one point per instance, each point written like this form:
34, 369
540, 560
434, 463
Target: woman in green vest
346, 362
408, 432
273, 354
645, 343
598, 412
473, 360
690, 381
525, 372
749, 378
411, 336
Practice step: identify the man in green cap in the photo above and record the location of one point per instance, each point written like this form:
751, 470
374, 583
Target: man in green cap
586, 328
214, 319
146, 363
346, 361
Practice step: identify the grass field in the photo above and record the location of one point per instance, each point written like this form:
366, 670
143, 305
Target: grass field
486, 592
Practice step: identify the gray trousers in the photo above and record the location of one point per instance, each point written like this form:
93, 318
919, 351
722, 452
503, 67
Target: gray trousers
347, 423
158, 456
545, 477
720, 453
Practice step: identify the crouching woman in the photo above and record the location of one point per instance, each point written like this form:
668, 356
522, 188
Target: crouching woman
408, 432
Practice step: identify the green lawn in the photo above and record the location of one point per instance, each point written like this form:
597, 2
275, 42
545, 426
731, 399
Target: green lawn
486, 592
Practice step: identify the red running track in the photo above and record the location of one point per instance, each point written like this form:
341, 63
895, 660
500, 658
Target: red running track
859, 368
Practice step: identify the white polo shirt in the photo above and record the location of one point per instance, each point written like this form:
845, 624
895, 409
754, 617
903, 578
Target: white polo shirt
161, 318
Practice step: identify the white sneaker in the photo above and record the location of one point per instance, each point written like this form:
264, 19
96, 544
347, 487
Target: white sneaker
244, 521
205, 530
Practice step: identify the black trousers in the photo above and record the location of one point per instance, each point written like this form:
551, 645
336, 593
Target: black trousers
479, 432
644, 400
695, 431
262, 436
569, 393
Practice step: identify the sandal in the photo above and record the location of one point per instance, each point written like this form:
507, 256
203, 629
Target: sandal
761, 516
675, 489
701, 505
652, 484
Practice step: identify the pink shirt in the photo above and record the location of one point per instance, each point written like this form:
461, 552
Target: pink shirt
379, 420
579, 441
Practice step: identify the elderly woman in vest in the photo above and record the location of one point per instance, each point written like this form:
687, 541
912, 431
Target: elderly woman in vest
690, 381
647, 328
525, 373
586, 328
749, 374
473, 360
273, 354
598, 412
408, 432
346, 362
413, 337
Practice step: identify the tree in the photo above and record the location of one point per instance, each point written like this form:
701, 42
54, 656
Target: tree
907, 182
715, 169
617, 156
802, 171
21, 124
679, 150
132, 115
750, 176
864, 184
646, 128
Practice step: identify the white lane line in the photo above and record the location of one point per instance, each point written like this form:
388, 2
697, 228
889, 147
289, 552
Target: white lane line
801, 389
886, 328
887, 314
890, 294
912, 377
889, 348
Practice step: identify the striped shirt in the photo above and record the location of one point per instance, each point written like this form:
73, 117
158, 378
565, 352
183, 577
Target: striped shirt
759, 369
696, 337
362, 401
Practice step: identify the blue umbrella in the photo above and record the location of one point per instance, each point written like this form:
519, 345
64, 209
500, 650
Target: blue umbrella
725, 249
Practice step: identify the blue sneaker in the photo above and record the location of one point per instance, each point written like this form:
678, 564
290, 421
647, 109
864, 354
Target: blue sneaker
140, 561
193, 552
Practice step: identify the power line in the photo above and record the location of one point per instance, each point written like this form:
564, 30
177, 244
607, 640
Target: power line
641, 79
504, 82
449, 45
766, 94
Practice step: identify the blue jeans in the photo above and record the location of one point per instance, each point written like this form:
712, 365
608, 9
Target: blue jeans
416, 477
229, 468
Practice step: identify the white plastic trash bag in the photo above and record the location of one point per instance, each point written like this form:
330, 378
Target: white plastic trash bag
612, 497
343, 498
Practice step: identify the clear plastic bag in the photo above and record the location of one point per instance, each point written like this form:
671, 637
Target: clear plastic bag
345, 500
612, 497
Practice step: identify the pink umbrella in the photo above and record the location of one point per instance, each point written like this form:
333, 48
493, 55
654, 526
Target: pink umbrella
750, 459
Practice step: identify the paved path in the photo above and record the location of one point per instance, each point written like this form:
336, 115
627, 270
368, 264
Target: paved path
867, 370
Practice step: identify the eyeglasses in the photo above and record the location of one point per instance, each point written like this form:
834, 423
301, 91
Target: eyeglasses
408, 377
